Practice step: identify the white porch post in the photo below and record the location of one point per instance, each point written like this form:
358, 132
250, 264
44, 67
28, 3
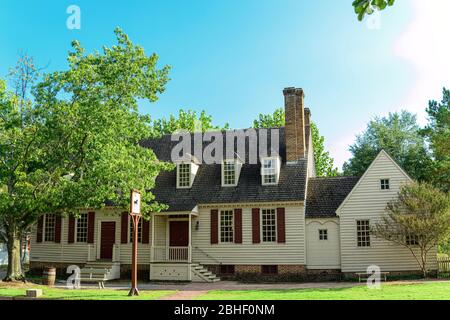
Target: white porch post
152, 247
190, 236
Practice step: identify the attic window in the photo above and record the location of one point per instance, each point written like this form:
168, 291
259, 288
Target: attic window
184, 175
229, 173
270, 170
384, 184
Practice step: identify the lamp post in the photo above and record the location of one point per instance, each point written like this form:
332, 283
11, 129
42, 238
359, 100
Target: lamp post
135, 213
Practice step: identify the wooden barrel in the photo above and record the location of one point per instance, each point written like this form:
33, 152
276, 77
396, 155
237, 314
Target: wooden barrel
49, 276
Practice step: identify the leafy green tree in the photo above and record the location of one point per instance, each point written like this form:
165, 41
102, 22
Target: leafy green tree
275, 120
437, 133
398, 134
75, 143
323, 161
418, 220
364, 7
187, 120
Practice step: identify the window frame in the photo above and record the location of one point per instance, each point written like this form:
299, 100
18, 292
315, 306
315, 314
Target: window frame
276, 171
224, 164
323, 234
76, 228
44, 227
385, 184
232, 226
368, 243
275, 232
412, 240
130, 227
189, 171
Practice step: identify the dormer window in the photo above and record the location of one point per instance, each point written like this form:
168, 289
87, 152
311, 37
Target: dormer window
230, 172
270, 170
183, 175
186, 170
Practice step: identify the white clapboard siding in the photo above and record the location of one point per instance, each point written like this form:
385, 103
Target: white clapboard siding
247, 253
322, 254
65, 252
368, 201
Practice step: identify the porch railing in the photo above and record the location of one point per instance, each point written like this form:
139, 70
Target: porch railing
171, 254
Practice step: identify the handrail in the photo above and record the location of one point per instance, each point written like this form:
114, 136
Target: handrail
208, 255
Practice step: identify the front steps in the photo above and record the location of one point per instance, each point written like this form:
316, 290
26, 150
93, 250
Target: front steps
201, 274
100, 271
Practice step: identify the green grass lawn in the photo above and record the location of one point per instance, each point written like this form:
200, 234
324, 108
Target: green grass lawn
422, 291
85, 294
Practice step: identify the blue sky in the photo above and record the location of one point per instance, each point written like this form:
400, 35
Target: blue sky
233, 58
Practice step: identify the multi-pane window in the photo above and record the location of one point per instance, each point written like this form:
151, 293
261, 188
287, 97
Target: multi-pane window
268, 222
269, 171
184, 175
384, 184
363, 233
323, 234
132, 230
226, 226
412, 240
229, 173
82, 228
49, 227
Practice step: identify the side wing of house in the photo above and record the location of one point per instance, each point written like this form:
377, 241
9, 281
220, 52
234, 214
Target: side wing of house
322, 243
364, 207
100, 234
266, 234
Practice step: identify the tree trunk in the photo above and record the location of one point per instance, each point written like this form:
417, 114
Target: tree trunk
424, 263
14, 272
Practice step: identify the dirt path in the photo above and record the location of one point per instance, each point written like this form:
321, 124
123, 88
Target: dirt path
184, 295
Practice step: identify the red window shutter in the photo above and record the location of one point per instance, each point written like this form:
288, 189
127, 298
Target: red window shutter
71, 233
255, 226
281, 226
40, 226
214, 226
145, 231
91, 224
58, 228
237, 225
124, 228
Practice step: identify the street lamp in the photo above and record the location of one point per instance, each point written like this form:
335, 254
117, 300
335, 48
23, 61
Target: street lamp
135, 213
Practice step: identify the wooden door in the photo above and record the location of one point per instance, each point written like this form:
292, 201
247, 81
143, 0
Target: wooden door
179, 233
108, 239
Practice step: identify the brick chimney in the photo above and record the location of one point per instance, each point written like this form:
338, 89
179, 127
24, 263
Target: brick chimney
295, 124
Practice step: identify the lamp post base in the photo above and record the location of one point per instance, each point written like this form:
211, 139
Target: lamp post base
133, 292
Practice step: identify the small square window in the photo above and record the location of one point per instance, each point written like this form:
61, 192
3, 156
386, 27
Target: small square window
323, 234
227, 269
384, 184
412, 240
269, 269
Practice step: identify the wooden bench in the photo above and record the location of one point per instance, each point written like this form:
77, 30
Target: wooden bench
100, 281
365, 276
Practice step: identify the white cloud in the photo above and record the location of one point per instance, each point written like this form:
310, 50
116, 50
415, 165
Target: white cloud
425, 45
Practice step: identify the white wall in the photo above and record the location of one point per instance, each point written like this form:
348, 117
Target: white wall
368, 201
322, 254
247, 253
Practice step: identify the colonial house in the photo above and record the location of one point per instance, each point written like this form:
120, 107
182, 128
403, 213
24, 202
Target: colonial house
272, 217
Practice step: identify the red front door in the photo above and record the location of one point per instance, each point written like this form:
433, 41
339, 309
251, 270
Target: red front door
108, 238
179, 233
